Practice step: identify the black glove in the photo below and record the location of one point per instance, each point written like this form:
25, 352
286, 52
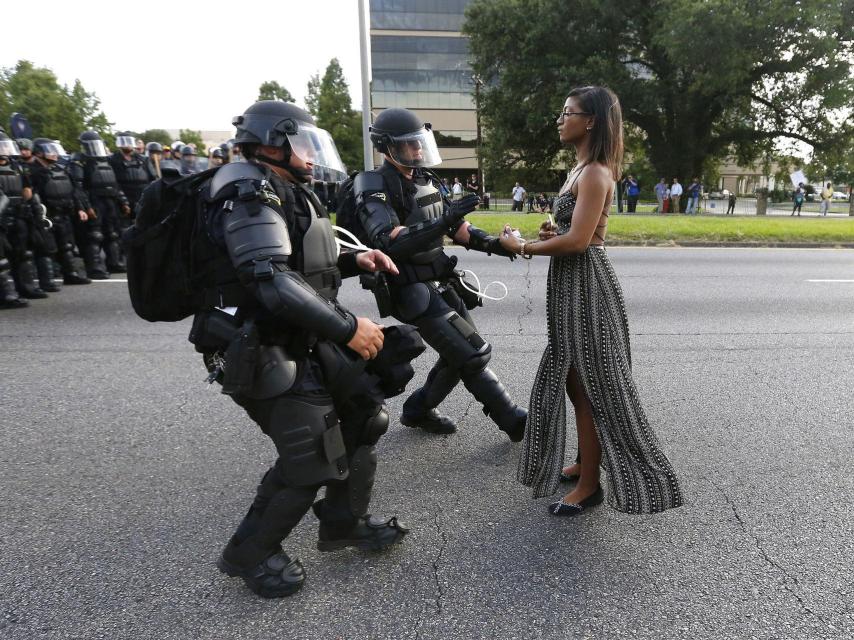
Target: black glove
458, 209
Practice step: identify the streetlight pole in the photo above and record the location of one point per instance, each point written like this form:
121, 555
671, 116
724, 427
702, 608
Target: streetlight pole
477, 83
364, 55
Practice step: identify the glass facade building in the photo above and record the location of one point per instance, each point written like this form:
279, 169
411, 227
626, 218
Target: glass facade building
419, 60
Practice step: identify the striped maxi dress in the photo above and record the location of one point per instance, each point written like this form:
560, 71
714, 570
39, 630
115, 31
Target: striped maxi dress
588, 327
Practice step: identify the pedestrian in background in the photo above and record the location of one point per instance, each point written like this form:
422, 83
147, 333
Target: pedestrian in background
518, 197
693, 196
457, 189
731, 206
798, 199
660, 194
632, 193
826, 195
675, 195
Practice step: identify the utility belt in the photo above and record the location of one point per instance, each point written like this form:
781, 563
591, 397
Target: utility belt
327, 280
440, 268
104, 192
58, 204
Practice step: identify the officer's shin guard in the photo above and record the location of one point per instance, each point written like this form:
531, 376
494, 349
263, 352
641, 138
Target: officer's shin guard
91, 253
26, 278
9, 298
44, 266
497, 404
419, 410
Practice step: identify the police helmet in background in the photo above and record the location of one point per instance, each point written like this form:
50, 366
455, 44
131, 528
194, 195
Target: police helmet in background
407, 140
25, 144
125, 141
8, 147
92, 145
47, 149
153, 147
282, 124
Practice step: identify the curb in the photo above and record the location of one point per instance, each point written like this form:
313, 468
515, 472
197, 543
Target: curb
744, 244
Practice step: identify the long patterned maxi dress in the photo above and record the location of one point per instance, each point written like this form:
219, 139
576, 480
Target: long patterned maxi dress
588, 327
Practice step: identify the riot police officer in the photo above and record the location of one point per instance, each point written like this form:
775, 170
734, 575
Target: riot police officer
154, 151
271, 254
104, 202
403, 212
64, 203
18, 221
9, 298
217, 157
133, 171
188, 161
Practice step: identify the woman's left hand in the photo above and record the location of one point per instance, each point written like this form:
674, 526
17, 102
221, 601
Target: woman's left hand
508, 240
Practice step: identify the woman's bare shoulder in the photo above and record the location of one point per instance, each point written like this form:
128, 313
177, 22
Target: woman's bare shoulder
596, 174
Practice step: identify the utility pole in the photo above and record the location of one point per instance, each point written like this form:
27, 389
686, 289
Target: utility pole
364, 55
477, 83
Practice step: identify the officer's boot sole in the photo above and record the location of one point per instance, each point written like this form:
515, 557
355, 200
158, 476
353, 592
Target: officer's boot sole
430, 426
236, 572
358, 543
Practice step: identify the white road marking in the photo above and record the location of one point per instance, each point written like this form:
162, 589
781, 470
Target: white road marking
830, 281
110, 280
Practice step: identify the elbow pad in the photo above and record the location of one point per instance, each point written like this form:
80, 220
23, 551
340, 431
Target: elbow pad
479, 240
258, 244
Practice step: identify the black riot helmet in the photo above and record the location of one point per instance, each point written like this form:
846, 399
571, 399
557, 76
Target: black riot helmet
217, 153
153, 147
8, 147
282, 124
124, 140
92, 145
25, 143
48, 150
401, 135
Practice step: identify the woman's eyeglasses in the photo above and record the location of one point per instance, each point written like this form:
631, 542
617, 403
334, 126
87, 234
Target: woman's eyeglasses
563, 114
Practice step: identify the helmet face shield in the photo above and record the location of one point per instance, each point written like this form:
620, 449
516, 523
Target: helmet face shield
94, 148
51, 150
125, 142
416, 149
315, 146
9, 148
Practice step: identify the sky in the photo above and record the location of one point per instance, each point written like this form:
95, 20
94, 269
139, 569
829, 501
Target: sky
187, 64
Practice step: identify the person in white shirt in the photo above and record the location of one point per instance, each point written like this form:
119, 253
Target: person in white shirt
457, 190
675, 195
518, 197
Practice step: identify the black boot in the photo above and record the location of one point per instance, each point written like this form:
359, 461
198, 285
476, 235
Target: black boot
497, 404
95, 268
115, 261
366, 532
25, 280
8, 296
277, 576
418, 416
69, 272
44, 266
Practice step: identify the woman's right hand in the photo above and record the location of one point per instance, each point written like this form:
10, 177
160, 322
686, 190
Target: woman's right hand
547, 230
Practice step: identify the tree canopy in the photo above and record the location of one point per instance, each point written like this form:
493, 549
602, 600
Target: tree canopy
156, 135
188, 136
700, 79
328, 100
272, 90
53, 110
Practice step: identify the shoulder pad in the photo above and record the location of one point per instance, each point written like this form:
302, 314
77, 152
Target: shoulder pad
368, 182
231, 173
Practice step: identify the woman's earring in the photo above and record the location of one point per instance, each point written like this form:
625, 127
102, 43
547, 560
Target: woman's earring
589, 128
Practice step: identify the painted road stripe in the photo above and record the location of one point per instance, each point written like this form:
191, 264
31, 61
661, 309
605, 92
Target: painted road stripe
830, 280
110, 280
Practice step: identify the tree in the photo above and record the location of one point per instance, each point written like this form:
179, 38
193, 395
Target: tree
329, 102
701, 79
272, 90
188, 136
53, 110
156, 135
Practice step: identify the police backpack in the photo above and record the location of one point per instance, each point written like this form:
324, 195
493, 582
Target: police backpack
158, 248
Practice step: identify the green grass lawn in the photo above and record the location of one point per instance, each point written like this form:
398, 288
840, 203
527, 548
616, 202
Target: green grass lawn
654, 229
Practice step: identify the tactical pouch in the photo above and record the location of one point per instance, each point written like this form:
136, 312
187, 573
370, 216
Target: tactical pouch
470, 299
378, 284
240, 358
213, 330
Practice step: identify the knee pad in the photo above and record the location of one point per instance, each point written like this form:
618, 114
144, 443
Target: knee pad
374, 427
4, 264
114, 235
96, 237
26, 254
67, 246
478, 361
455, 339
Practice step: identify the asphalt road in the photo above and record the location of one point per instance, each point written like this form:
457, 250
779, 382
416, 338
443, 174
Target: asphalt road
122, 475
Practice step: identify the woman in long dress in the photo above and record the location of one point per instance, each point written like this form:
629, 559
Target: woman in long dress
588, 354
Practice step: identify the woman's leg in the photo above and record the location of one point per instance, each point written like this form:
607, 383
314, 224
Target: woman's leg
588, 442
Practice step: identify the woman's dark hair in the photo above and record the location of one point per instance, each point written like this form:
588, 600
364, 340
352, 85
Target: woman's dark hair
606, 136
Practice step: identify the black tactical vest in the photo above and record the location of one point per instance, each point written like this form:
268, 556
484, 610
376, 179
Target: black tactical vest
423, 202
133, 172
319, 252
58, 191
11, 183
100, 178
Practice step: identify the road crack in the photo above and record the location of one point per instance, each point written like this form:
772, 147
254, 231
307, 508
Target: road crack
787, 577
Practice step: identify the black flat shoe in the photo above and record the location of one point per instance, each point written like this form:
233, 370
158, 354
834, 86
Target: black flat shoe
563, 509
569, 478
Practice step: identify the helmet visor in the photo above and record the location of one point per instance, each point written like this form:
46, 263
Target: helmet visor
9, 148
316, 146
416, 149
125, 142
95, 148
50, 149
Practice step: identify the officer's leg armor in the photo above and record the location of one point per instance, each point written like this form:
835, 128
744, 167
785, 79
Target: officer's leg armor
63, 234
111, 228
8, 295
89, 237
